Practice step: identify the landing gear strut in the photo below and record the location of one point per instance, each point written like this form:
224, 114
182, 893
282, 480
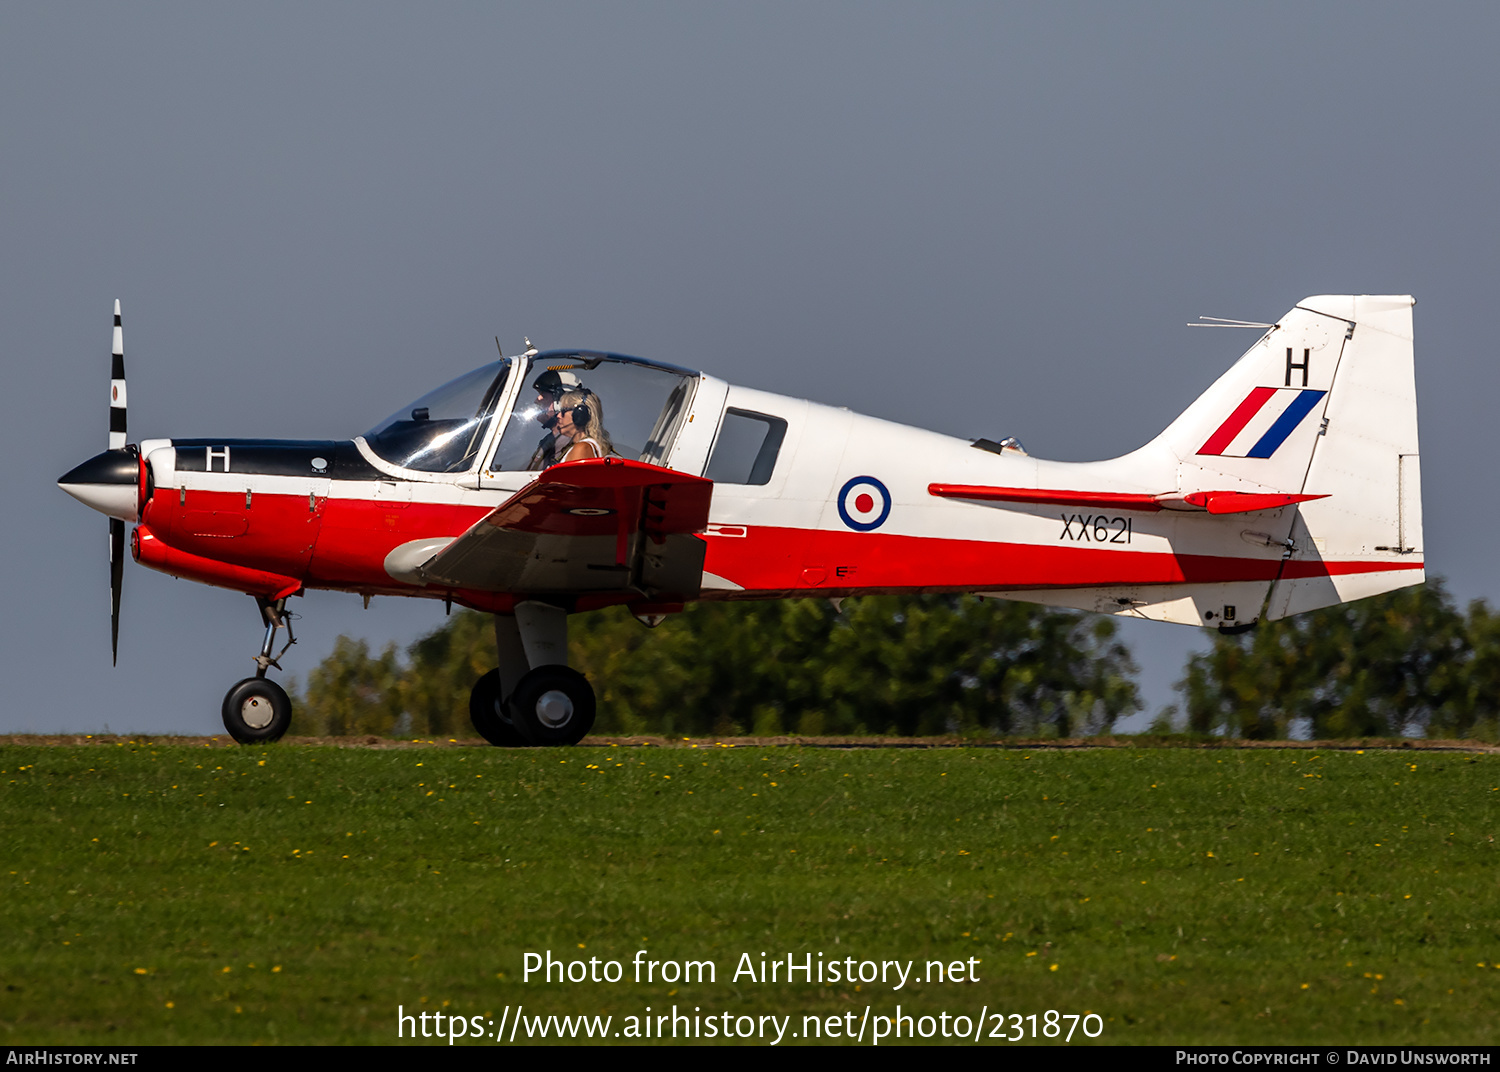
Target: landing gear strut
257, 710
532, 697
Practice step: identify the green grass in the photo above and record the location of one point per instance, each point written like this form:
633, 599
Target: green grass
165, 893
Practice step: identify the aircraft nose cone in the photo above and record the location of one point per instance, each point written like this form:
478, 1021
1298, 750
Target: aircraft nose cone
106, 482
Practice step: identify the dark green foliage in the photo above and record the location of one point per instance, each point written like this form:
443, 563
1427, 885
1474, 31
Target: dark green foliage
351, 692
443, 667
1401, 664
886, 664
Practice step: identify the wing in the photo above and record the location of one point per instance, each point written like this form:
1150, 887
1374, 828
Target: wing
598, 526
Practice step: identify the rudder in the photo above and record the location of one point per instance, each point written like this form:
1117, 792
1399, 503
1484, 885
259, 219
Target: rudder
1366, 536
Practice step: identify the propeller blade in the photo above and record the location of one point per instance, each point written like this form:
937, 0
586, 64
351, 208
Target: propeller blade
117, 386
116, 576
116, 442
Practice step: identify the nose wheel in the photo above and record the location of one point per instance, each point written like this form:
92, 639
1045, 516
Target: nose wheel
257, 710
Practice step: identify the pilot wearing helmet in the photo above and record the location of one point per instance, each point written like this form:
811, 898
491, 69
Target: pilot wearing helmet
551, 386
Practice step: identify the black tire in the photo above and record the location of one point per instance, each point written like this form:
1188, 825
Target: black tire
257, 711
488, 717
553, 705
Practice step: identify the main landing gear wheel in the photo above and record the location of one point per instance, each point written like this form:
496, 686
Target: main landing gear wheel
257, 711
553, 705
488, 718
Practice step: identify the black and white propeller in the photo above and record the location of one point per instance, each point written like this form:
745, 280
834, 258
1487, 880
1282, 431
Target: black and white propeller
116, 442
108, 482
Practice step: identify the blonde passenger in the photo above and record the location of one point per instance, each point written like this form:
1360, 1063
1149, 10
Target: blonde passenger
581, 420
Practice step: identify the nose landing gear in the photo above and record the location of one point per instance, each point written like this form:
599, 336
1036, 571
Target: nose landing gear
257, 710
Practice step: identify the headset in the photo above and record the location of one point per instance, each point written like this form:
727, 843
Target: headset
581, 415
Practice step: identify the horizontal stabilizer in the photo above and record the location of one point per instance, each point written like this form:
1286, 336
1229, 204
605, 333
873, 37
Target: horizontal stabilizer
1112, 500
1239, 502
1214, 502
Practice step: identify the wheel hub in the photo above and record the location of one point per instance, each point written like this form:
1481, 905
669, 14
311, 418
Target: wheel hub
257, 712
554, 708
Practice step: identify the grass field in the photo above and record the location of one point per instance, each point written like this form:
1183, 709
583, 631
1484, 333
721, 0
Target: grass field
158, 893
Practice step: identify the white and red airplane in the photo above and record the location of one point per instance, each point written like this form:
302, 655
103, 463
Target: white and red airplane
551, 483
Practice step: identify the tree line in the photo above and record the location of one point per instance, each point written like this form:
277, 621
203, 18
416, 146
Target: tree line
909, 665
1409, 663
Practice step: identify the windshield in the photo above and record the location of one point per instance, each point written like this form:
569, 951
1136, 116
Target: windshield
442, 431
574, 406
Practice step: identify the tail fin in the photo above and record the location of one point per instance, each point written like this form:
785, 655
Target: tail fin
1255, 429
1323, 409
1324, 404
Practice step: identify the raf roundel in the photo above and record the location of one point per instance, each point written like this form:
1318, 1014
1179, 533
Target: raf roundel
864, 503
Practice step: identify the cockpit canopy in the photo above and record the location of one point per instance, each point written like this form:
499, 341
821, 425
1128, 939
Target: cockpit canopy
444, 430
643, 407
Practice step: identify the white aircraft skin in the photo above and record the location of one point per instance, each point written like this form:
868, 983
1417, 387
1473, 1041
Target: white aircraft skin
1292, 483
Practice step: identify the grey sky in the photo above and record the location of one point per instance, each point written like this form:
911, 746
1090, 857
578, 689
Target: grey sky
982, 219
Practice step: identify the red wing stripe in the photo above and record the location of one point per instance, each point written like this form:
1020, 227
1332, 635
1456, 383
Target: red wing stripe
1237, 420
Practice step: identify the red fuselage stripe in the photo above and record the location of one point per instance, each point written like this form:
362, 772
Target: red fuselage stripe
342, 543
782, 559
